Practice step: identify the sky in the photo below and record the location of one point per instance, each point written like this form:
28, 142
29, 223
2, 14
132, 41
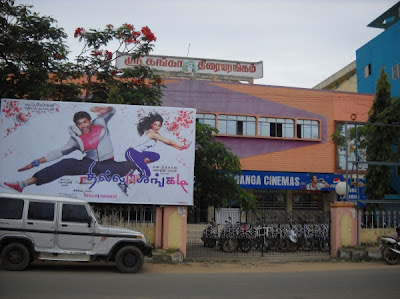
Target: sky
300, 42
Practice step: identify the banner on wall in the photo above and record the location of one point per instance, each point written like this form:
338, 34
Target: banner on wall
97, 152
298, 181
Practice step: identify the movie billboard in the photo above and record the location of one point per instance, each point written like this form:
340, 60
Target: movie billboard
98, 152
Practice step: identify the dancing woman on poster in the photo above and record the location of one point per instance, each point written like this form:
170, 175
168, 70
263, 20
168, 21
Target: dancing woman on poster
148, 129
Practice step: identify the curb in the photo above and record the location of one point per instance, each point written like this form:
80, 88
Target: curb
355, 253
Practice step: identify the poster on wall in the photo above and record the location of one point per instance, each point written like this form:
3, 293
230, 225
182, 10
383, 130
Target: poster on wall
98, 152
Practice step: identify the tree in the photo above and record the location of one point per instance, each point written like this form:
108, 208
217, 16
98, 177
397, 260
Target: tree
32, 56
381, 138
215, 167
34, 65
104, 82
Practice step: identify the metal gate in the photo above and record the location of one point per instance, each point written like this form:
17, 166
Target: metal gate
265, 233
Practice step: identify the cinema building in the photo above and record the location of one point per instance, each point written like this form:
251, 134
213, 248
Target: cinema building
282, 135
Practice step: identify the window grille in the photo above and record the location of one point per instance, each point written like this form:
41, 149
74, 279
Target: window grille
207, 119
307, 129
237, 125
267, 200
275, 127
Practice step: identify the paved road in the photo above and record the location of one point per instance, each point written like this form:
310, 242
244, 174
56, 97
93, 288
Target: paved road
103, 281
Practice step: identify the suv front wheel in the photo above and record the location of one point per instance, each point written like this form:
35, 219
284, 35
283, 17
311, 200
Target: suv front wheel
129, 259
15, 257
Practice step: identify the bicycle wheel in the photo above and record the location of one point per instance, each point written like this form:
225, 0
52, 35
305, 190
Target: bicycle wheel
245, 245
324, 245
265, 246
229, 245
292, 247
307, 244
210, 243
281, 245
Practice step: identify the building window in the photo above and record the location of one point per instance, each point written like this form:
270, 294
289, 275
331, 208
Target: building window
270, 200
352, 155
367, 70
396, 72
237, 125
275, 127
307, 129
304, 201
207, 119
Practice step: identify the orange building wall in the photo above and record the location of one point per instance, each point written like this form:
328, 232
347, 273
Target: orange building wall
321, 156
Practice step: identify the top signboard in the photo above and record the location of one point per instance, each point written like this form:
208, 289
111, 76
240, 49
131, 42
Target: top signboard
97, 152
193, 66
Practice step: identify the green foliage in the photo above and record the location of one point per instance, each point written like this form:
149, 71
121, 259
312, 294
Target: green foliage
33, 65
215, 167
340, 140
135, 86
32, 50
379, 138
382, 137
383, 98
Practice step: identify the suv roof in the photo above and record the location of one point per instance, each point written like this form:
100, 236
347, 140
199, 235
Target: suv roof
42, 197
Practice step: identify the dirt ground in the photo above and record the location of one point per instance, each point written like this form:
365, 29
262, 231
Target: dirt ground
257, 266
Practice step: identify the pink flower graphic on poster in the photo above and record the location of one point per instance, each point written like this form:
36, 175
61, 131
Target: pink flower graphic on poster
183, 120
20, 112
12, 111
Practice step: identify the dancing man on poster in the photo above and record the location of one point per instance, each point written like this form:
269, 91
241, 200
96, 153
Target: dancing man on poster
91, 138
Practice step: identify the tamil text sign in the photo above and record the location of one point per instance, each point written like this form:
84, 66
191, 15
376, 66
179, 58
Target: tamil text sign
189, 65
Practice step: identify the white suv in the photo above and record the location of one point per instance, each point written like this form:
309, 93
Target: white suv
63, 229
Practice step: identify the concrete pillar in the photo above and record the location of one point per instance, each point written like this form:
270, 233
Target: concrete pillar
171, 228
344, 223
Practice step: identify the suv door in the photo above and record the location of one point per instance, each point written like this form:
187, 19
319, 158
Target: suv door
11, 210
40, 223
74, 230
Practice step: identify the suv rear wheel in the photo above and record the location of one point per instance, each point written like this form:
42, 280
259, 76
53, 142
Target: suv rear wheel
15, 257
129, 259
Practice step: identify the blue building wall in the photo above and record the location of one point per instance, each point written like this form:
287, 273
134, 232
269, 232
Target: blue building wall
382, 51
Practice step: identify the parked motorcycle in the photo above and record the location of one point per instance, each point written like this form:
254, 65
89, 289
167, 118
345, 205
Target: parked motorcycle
245, 238
306, 237
293, 240
228, 240
210, 235
285, 239
390, 249
322, 238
